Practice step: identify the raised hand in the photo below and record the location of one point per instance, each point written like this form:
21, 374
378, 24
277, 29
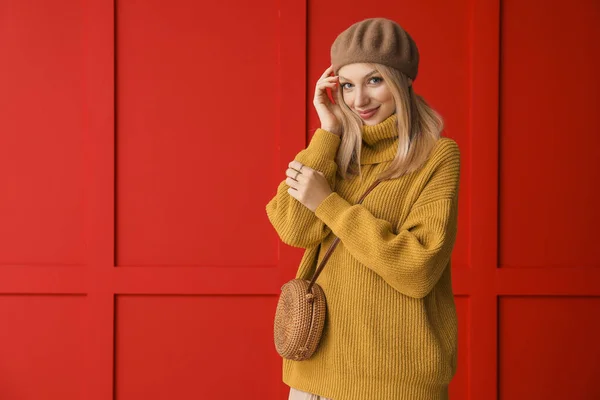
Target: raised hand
329, 113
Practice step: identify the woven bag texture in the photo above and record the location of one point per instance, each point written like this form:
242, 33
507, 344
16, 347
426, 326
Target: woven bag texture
299, 319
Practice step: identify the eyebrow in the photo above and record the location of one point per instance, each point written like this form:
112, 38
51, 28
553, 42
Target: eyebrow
366, 76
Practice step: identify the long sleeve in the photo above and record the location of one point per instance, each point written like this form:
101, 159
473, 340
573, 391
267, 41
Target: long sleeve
412, 260
295, 224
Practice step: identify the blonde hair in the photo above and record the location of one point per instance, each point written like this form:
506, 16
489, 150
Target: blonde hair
419, 128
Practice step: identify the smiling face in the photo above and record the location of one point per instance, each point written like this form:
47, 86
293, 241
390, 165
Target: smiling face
365, 93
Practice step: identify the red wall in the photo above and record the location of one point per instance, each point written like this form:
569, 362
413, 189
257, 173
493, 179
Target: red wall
141, 141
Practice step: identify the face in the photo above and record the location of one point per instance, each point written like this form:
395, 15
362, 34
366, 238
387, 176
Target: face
365, 92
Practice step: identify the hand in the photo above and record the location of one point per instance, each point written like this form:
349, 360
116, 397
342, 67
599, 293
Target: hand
311, 186
329, 113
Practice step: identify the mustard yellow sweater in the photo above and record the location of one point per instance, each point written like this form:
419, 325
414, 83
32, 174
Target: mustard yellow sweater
391, 327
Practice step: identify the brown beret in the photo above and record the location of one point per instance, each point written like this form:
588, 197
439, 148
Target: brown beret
376, 40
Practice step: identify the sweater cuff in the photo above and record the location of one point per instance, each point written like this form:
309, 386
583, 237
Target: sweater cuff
324, 144
330, 210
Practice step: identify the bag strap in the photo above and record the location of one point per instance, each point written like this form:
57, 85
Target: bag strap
335, 243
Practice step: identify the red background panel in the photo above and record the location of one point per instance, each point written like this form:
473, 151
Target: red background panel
41, 346
195, 100
550, 95
141, 141
202, 347
41, 146
549, 348
460, 383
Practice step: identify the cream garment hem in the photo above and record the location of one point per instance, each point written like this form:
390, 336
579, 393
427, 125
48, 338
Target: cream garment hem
296, 394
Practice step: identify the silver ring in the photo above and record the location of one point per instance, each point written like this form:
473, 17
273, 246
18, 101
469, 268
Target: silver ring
296, 177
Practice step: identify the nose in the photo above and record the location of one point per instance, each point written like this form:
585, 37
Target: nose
361, 99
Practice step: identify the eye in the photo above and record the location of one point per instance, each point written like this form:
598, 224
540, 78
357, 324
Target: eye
346, 86
375, 80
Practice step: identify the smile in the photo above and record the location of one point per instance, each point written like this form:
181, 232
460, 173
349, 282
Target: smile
368, 113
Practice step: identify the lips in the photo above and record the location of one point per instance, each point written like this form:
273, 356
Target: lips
368, 113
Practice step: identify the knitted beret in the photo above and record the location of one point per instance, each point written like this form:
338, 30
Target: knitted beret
376, 40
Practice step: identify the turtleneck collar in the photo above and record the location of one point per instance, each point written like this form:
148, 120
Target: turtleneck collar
379, 142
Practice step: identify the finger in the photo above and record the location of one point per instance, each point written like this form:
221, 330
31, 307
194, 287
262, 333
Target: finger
334, 94
292, 173
297, 165
335, 90
291, 183
329, 79
326, 85
293, 176
293, 193
322, 88
327, 72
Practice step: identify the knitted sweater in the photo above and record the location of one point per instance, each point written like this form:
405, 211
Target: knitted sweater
391, 326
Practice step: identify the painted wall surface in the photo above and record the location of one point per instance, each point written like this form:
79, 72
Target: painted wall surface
141, 141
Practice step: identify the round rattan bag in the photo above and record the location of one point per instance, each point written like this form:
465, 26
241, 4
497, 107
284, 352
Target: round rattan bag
299, 319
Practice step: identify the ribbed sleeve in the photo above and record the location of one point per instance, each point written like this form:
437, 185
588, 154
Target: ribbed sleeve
412, 260
295, 224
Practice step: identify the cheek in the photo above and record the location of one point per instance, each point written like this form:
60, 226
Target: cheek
383, 95
348, 99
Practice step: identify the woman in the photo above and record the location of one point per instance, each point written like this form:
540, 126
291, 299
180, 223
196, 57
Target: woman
391, 327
